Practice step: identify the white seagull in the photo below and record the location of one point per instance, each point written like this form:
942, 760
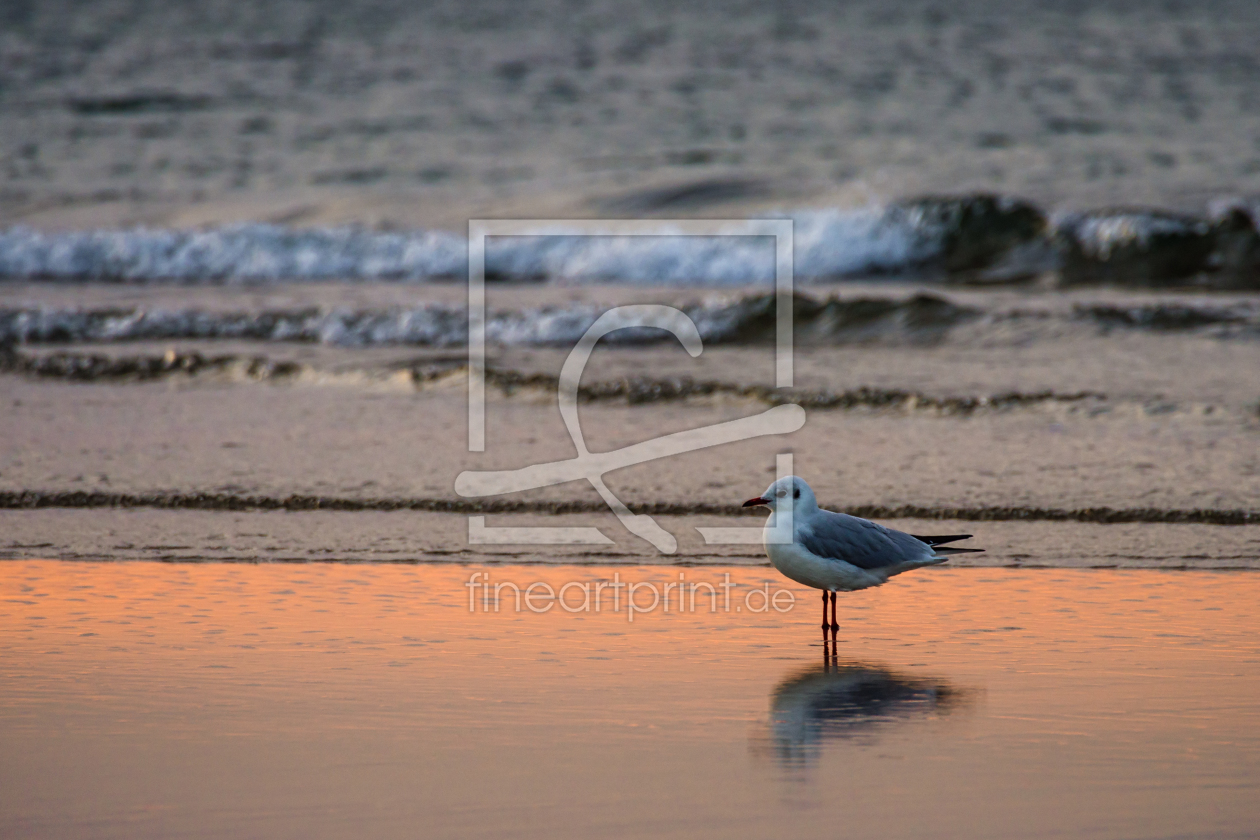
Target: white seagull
836, 552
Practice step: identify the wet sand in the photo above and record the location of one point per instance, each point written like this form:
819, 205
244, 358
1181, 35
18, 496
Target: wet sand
410, 536
1155, 418
152, 700
356, 436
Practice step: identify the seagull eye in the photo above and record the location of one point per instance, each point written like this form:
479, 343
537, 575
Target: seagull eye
781, 493
796, 494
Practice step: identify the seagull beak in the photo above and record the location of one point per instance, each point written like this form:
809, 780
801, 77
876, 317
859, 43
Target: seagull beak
755, 502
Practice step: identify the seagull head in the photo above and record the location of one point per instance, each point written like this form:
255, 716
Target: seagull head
790, 493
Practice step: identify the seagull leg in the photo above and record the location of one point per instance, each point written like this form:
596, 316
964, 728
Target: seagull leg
835, 626
824, 624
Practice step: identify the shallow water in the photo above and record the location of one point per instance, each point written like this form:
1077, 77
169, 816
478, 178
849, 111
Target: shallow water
145, 700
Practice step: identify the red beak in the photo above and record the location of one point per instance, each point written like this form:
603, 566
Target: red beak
755, 502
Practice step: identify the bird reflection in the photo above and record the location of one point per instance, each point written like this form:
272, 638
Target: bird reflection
840, 700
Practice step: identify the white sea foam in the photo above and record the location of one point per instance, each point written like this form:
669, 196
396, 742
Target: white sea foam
747, 318
828, 243
251, 252
431, 325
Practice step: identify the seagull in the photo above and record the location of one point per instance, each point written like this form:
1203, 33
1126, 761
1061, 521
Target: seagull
836, 552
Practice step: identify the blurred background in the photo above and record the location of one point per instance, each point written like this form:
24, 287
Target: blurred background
400, 115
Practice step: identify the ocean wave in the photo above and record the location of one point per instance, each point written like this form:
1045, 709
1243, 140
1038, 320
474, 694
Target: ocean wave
748, 319
247, 252
972, 238
827, 244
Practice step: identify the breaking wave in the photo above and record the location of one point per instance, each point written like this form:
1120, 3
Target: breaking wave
749, 319
982, 238
828, 243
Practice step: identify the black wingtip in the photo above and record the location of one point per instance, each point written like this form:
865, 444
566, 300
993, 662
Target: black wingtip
942, 540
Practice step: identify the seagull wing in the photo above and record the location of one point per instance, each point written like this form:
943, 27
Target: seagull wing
860, 542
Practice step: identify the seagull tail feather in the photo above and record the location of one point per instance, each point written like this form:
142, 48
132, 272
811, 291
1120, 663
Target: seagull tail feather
941, 540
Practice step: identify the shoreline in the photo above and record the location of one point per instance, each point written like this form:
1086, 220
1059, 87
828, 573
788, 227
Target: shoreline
96, 499
409, 537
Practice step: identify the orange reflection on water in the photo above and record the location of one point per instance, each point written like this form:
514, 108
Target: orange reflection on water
149, 699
